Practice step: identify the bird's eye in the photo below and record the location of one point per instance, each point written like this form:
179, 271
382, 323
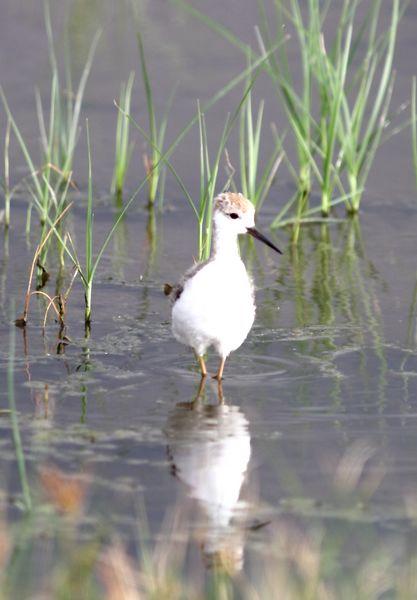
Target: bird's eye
233, 215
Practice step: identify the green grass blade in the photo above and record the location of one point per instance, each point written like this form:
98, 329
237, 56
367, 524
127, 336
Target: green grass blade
22, 145
17, 440
89, 217
73, 132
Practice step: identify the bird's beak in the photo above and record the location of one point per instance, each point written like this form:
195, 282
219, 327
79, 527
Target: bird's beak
259, 236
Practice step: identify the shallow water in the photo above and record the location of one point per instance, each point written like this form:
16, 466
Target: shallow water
316, 425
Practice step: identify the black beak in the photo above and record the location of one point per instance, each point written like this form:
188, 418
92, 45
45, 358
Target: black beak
255, 233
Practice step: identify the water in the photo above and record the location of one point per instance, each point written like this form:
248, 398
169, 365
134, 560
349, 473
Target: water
313, 435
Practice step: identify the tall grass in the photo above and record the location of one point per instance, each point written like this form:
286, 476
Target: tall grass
208, 169
66, 104
338, 112
362, 120
342, 143
87, 271
153, 166
123, 148
58, 132
6, 184
255, 183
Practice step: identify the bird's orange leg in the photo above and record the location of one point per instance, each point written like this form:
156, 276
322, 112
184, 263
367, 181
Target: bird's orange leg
220, 392
219, 374
202, 366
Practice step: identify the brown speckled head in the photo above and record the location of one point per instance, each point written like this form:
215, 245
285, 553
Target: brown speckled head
230, 201
235, 215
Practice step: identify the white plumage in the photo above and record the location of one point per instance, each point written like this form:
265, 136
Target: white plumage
214, 304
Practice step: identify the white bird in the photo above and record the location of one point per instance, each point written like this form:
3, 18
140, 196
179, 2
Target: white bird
214, 303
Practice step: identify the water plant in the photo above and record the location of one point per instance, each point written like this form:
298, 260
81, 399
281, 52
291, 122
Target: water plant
338, 114
65, 107
123, 148
22, 321
6, 181
88, 270
58, 132
254, 182
153, 166
362, 120
208, 170
208, 180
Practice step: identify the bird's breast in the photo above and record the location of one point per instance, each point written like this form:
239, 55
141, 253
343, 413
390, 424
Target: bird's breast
222, 284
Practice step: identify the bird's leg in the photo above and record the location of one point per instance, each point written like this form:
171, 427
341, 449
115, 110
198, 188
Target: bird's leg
200, 389
195, 401
220, 392
202, 365
219, 374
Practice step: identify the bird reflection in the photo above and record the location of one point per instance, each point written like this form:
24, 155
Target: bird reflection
209, 449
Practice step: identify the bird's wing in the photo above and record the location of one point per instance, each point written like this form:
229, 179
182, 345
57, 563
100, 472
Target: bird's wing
174, 291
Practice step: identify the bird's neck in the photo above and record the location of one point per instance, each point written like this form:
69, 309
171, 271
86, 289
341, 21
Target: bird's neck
224, 244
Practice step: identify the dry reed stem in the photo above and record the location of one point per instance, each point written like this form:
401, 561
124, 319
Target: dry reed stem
21, 322
50, 304
147, 163
65, 176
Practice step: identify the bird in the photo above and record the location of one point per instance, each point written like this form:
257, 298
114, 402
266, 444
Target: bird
214, 302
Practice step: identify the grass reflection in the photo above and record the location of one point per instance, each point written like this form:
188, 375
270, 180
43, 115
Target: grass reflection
335, 290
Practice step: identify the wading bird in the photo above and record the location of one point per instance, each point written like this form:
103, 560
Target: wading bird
214, 304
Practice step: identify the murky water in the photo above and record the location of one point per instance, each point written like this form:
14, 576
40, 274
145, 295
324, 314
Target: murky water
315, 427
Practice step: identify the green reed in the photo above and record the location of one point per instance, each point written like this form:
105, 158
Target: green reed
65, 111
208, 171
255, 182
363, 119
353, 94
40, 187
338, 112
208, 179
153, 166
123, 149
50, 174
58, 134
6, 183
88, 271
